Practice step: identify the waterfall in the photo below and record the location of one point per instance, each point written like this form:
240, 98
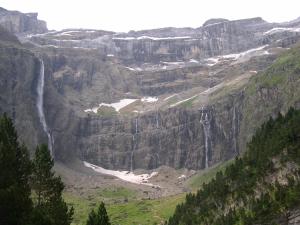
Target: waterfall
40, 106
134, 143
234, 130
205, 121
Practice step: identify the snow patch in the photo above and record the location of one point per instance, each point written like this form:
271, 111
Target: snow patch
110, 55
281, 29
254, 51
173, 63
253, 71
149, 99
194, 61
117, 105
182, 176
124, 175
177, 103
130, 68
213, 24
171, 96
151, 38
50, 46
76, 47
212, 89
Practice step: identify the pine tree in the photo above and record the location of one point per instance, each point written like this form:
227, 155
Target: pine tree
99, 218
92, 219
50, 207
15, 167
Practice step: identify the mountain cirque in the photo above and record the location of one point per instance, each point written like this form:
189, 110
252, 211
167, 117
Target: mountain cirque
187, 89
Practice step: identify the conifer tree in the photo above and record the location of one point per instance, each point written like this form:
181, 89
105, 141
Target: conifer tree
15, 166
50, 207
99, 218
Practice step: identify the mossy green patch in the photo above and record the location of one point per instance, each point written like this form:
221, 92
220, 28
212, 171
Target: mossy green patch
188, 103
122, 206
107, 111
287, 65
116, 193
144, 212
198, 180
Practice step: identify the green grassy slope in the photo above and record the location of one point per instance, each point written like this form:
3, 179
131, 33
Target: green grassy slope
123, 207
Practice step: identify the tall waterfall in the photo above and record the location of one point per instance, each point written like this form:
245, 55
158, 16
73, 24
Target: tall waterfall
40, 106
205, 121
134, 142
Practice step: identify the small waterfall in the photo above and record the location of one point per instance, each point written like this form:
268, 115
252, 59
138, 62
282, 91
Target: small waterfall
134, 143
205, 121
40, 106
234, 130
156, 118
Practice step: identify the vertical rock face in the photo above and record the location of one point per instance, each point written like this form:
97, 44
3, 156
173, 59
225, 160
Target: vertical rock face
192, 139
19, 73
212, 39
16, 22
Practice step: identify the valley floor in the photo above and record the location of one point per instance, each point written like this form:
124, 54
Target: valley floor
129, 203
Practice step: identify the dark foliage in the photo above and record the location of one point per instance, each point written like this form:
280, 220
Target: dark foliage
48, 190
245, 193
15, 168
98, 218
30, 193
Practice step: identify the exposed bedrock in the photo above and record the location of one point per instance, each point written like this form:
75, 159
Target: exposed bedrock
17, 22
212, 108
175, 137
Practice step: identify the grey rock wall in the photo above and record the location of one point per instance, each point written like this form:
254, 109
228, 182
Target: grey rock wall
16, 22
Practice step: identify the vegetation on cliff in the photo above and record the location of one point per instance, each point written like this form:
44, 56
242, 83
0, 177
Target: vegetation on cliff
262, 187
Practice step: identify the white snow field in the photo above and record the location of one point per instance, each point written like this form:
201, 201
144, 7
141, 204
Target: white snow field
123, 175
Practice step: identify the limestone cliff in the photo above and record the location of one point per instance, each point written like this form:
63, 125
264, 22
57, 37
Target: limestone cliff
17, 22
208, 88
19, 69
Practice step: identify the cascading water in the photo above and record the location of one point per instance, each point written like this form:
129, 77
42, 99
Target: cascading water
234, 130
134, 144
205, 121
40, 106
157, 125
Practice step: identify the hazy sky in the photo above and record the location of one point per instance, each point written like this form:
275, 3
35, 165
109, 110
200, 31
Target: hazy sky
125, 15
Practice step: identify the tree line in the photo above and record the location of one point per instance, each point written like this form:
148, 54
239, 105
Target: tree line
261, 187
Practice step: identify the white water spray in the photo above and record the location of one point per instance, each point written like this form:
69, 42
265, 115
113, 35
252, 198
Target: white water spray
40, 106
234, 130
205, 121
134, 144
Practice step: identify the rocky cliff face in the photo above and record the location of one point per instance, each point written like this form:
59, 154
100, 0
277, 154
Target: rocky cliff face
210, 40
205, 84
16, 22
176, 137
137, 48
168, 44
19, 69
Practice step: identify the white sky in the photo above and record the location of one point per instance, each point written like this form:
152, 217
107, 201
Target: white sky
125, 15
